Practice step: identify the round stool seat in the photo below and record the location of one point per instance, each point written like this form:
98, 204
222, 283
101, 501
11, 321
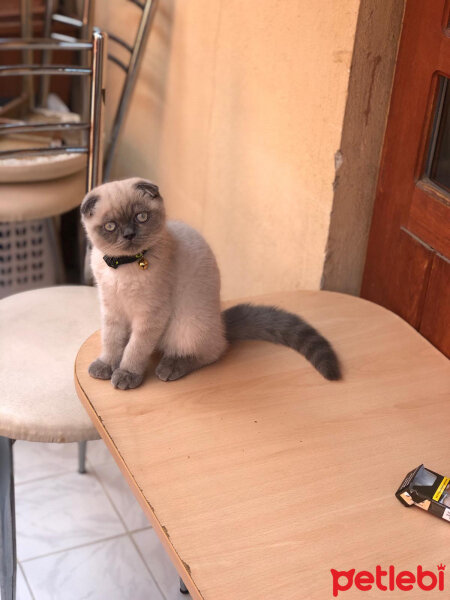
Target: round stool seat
41, 332
39, 187
25, 201
40, 168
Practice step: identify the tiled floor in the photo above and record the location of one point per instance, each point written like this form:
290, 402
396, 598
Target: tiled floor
83, 536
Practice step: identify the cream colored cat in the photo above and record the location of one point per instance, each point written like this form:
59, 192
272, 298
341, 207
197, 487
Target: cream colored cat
159, 288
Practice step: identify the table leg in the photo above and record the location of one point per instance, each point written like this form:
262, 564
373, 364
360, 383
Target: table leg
82, 457
183, 588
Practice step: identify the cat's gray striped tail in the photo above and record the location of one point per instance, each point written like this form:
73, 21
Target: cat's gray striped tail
250, 322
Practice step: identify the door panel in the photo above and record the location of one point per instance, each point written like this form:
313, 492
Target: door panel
403, 289
428, 218
409, 244
436, 309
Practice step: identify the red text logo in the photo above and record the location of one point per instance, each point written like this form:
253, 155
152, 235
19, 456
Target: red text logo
388, 580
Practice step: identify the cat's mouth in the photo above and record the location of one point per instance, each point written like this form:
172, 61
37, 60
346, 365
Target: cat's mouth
124, 248
130, 246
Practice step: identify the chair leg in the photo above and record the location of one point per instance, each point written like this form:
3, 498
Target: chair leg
183, 588
8, 560
82, 457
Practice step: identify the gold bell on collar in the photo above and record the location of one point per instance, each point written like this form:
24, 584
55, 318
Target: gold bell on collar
143, 263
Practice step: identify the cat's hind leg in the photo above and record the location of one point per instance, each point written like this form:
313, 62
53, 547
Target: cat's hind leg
191, 341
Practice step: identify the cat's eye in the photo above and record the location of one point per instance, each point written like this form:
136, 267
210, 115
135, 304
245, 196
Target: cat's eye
142, 217
110, 226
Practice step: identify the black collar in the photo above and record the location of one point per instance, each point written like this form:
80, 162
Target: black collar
116, 261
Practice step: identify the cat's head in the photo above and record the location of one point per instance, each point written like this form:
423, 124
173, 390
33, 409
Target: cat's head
123, 217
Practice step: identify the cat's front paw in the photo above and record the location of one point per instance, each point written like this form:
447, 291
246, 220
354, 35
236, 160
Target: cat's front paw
125, 380
100, 370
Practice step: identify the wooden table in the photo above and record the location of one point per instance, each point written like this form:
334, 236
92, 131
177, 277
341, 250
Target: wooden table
259, 476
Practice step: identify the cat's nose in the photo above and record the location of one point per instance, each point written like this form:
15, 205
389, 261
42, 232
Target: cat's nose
129, 233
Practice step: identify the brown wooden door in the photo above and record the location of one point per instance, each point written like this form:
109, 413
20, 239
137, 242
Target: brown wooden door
407, 265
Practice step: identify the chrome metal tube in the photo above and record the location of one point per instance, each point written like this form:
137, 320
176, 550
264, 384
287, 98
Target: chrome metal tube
63, 38
94, 171
8, 128
95, 155
43, 44
27, 56
46, 54
82, 456
67, 20
43, 70
86, 18
8, 560
87, 13
22, 152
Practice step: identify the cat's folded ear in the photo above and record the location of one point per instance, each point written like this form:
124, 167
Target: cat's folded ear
148, 188
88, 205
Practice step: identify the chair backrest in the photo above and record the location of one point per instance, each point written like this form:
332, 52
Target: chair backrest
131, 70
93, 126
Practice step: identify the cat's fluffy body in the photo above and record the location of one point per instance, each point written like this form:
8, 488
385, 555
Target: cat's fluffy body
174, 305
178, 295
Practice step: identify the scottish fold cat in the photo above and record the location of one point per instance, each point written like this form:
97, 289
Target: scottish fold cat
159, 288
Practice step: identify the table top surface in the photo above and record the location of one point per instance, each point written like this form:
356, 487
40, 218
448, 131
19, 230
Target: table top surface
260, 476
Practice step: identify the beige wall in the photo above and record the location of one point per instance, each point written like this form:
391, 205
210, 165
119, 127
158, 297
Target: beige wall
237, 116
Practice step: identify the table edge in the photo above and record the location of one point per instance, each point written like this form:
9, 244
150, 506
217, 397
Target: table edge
181, 566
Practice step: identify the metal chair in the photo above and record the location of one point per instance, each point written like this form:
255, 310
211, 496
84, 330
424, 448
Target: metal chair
58, 184
42, 329
83, 24
93, 127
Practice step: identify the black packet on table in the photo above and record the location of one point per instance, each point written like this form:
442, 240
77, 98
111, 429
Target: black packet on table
428, 490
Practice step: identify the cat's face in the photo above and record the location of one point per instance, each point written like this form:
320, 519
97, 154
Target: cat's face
123, 217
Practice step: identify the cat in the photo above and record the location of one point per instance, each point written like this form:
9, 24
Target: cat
159, 288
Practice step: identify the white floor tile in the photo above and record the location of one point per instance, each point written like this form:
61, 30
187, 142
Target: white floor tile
159, 563
61, 512
34, 460
108, 570
122, 497
22, 591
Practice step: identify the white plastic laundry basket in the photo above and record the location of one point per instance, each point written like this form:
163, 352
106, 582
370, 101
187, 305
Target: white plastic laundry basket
26, 257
